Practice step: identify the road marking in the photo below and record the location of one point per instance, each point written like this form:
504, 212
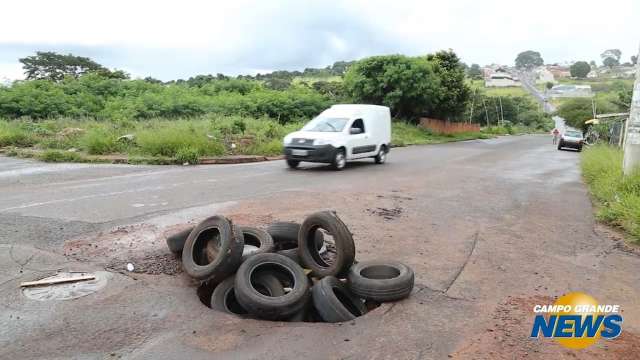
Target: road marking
108, 194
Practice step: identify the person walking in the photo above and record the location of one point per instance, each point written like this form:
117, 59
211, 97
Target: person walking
556, 135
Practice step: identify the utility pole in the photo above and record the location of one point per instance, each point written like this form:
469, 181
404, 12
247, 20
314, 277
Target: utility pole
486, 112
473, 100
501, 113
632, 133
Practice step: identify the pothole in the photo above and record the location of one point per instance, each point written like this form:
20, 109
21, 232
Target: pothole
67, 290
309, 314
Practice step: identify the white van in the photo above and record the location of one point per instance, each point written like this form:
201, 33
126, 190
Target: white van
341, 133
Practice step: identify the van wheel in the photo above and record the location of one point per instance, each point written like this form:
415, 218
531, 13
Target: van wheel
339, 161
293, 163
382, 155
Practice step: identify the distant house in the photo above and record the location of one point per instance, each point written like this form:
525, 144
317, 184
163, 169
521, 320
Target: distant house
559, 71
544, 76
501, 78
623, 72
570, 91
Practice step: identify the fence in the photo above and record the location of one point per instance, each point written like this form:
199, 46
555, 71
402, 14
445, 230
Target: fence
447, 127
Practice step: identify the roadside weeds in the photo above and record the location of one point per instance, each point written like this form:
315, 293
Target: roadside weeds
617, 197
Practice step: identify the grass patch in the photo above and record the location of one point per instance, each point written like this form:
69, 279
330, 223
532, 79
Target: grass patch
186, 140
617, 196
59, 156
15, 134
404, 134
600, 85
498, 91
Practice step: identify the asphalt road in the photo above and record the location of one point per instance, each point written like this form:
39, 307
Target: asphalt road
490, 227
528, 81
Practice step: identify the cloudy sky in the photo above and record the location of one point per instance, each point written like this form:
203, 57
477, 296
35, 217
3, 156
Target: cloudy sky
178, 39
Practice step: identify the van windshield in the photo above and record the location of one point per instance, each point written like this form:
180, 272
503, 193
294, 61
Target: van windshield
326, 124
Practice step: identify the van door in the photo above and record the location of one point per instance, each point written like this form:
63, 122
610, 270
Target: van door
359, 142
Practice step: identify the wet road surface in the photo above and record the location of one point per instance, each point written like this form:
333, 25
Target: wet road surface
491, 228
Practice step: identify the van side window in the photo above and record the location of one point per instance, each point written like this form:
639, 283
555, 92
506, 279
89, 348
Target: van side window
359, 124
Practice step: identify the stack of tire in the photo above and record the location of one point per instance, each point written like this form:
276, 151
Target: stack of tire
282, 273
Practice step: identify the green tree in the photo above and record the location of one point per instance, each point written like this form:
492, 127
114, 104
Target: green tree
475, 72
454, 89
549, 85
409, 86
578, 110
529, 59
611, 57
580, 69
634, 59
112, 74
332, 89
152, 80
53, 66
610, 62
277, 83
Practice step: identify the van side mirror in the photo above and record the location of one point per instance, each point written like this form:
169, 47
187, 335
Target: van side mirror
355, 131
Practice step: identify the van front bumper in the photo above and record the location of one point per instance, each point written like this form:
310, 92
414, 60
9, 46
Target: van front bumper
313, 153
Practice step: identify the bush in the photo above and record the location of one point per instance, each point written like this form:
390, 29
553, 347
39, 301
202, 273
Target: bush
188, 155
578, 110
99, 141
13, 133
618, 196
404, 133
59, 156
167, 138
100, 98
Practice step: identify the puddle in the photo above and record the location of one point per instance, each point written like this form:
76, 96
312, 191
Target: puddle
67, 291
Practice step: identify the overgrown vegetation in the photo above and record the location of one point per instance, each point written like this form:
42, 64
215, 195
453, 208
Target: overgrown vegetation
74, 109
96, 97
617, 196
610, 97
411, 86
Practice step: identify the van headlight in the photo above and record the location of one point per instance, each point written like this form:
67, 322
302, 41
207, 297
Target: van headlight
287, 140
321, 142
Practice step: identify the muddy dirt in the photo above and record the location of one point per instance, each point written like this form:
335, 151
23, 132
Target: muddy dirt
506, 336
142, 245
489, 228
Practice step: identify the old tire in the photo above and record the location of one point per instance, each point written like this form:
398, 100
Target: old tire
334, 301
309, 253
287, 232
288, 273
223, 296
291, 254
285, 239
293, 164
380, 281
213, 250
176, 241
258, 238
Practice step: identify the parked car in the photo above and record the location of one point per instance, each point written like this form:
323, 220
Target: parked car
341, 133
571, 139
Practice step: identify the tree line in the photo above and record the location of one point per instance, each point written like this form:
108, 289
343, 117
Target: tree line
433, 85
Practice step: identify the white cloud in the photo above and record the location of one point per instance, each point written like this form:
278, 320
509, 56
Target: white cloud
180, 38
10, 71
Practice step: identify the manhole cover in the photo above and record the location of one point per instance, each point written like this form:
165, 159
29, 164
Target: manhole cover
68, 291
